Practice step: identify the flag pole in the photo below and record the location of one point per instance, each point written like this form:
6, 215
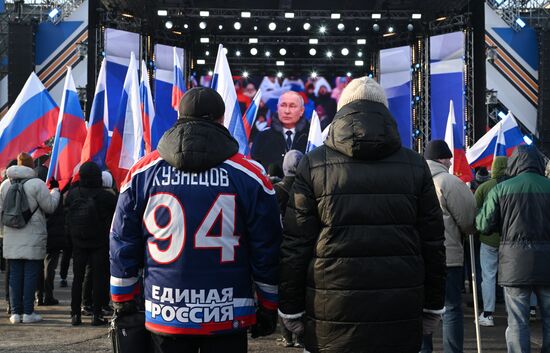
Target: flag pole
474, 291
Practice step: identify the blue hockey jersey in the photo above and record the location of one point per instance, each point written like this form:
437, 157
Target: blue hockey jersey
207, 245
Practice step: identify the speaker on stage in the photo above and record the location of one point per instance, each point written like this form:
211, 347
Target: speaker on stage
20, 56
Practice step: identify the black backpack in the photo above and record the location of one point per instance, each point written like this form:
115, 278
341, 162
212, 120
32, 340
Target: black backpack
16, 212
83, 217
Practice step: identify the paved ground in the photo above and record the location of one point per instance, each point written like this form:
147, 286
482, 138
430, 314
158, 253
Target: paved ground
55, 334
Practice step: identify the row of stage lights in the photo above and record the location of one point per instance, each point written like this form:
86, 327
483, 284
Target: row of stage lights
280, 74
282, 52
272, 26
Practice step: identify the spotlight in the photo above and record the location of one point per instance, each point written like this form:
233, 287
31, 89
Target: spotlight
205, 40
357, 29
341, 26
237, 25
202, 25
322, 29
207, 53
282, 51
55, 16
442, 18
267, 53
527, 140
313, 74
245, 74
253, 51
329, 54
186, 26
376, 16
359, 63
255, 28
279, 63
238, 53
201, 61
245, 14
312, 51
376, 27
289, 14
313, 41
410, 27
335, 16
390, 29
344, 51
501, 115
272, 26
162, 13
348, 74
307, 26
416, 16
220, 27
520, 22
204, 13
252, 40
279, 74
124, 14
288, 29
362, 41
168, 24
210, 73
225, 51
360, 54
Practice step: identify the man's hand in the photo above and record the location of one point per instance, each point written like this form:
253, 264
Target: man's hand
266, 322
125, 308
295, 326
430, 321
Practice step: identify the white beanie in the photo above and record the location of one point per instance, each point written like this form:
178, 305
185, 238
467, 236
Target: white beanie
363, 88
107, 179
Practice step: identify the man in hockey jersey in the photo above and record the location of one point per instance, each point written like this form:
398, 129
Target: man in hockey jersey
204, 224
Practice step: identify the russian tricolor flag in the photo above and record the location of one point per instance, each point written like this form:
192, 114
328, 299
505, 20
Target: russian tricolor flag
178, 86
29, 122
249, 116
459, 166
500, 140
147, 107
69, 136
97, 138
315, 136
126, 146
222, 82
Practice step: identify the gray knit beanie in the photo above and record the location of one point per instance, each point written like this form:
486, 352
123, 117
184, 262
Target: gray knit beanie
363, 88
291, 161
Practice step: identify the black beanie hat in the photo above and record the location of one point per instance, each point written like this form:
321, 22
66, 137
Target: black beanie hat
482, 175
437, 149
90, 175
201, 103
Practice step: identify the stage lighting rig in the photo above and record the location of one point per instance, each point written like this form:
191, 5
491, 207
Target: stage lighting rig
168, 24
341, 26
312, 51
202, 25
55, 16
237, 25
307, 26
282, 51
344, 51
323, 29
162, 13
272, 26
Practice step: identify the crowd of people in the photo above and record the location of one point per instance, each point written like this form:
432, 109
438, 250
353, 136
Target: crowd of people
356, 246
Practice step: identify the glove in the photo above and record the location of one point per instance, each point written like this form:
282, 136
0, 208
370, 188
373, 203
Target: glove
125, 308
266, 322
53, 183
295, 326
430, 321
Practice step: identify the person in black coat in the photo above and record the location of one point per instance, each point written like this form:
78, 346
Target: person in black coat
89, 211
363, 256
288, 131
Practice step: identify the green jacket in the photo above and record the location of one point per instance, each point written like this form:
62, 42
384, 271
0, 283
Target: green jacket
518, 207
498, 170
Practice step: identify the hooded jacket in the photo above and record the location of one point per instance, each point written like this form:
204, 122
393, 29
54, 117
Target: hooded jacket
270, 145
518, 209
203, 221
362, 250
498, 171
459, 209
29, 242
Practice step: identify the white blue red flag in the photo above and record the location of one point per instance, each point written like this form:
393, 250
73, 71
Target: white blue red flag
29, 122
251, 113
69, 136
453, 137
127, 145
315, 136
147, 107
178, 85
97, 138
222, 82
482, 152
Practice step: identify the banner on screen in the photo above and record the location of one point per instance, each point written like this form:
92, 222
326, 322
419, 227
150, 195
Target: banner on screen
447, 83
164, 73
118, 47
395, 78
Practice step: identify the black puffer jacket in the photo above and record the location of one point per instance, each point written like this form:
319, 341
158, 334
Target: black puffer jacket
363, 249
270, 145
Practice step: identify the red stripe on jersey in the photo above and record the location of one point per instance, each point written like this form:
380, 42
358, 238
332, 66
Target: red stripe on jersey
245, 163
151, 157
205, 329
